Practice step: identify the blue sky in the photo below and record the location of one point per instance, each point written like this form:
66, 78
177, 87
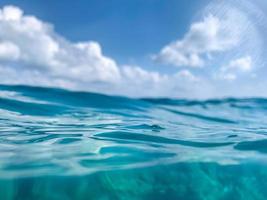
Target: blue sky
128, 30
191, 49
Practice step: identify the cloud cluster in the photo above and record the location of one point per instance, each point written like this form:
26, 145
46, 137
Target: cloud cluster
31, 52
205, 37
226, 45
223, 45
29, 42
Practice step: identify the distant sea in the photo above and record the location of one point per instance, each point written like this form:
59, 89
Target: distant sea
62, 145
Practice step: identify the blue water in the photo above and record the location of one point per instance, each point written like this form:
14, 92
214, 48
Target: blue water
62, 145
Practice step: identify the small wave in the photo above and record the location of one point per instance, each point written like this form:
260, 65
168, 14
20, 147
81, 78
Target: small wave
258, 145
202, 117
157, 139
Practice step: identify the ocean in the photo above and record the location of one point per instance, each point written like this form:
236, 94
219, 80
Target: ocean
62, 145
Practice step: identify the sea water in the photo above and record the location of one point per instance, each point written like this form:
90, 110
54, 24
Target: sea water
62, 145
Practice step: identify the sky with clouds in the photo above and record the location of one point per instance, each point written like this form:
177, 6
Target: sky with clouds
182, 49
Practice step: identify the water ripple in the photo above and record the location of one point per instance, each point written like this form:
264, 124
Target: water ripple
46, 131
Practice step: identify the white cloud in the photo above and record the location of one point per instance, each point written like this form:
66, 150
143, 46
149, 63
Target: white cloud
235, 67
243, 64
205, 37
227, 76
10, 13
148, 83
139, 75
26, 40
186, 75
9, 51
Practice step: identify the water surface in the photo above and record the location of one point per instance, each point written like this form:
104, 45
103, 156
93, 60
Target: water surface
57, 144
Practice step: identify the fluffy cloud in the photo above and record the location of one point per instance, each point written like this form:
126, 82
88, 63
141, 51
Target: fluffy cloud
9, 51
243, 64
32, 53
205, 37
29, 42
182, 84
226, 47
236, 66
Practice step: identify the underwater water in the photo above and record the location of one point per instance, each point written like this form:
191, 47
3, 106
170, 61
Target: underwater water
62, 145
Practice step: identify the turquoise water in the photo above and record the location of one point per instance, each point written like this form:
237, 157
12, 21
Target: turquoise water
56, 144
